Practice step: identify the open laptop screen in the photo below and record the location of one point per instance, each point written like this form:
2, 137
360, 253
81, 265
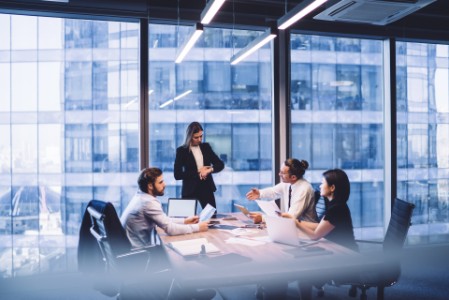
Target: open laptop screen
178, 207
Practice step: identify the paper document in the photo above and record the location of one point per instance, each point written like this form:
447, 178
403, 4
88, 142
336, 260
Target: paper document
242, 209
268, 207
244, 241
193, 247
207, 213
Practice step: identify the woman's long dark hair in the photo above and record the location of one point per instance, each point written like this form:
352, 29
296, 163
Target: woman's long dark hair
193, 128
340, 180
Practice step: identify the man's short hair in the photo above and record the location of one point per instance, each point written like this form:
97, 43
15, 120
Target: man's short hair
147, 176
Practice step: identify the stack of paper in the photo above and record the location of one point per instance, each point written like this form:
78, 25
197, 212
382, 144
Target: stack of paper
193, 247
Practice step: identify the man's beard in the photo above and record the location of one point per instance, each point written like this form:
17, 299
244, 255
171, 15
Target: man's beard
158, 193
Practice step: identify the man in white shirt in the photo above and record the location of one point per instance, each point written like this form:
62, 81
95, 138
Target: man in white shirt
295, 193
144, 212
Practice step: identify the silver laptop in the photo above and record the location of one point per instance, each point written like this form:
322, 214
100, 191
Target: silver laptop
181, 208
283, 230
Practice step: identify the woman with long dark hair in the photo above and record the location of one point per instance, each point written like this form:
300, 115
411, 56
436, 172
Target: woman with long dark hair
336, 224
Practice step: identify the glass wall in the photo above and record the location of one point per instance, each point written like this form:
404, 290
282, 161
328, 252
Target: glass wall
233, 103
69, 124
68, 134
337, 118
423, 135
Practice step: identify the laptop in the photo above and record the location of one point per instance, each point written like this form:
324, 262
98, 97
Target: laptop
181, 208
284, 231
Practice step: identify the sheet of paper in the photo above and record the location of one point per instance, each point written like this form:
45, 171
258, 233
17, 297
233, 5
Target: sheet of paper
244, 231
192, 247
268, 207
244, 241
207, 213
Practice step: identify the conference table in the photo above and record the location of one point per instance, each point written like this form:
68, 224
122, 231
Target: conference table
247, 256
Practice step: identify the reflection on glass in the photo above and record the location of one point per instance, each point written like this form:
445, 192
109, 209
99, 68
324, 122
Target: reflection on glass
69, 133
422, 132
232, 103
334, 85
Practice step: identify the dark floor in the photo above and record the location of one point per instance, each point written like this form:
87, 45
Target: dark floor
425, 275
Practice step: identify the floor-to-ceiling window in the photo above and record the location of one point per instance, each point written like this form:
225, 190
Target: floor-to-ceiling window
67, 132
337, 118
233, 103
423, 135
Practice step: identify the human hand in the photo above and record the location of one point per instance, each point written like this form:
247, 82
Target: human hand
256, 217
204, 226
286, 215
253, 194
204, 171
191, 220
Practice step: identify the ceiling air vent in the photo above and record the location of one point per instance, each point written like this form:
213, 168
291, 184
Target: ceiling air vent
375, 12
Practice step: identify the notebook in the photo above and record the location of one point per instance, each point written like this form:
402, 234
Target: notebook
193, 247
181, 208
283, 230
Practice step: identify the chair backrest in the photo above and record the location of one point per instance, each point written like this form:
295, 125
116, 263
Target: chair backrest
400, 222
320, 204
109, 233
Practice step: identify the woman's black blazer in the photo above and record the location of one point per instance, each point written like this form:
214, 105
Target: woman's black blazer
185, 168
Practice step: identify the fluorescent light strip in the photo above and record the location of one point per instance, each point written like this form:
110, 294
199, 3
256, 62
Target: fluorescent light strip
62, 1
170, 101
182, 95
211, 10
298, 12
130, 103
198, 27
257, 43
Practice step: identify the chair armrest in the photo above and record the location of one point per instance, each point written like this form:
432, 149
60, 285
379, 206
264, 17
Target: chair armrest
133, 261
144, 248
369, 242
151, 259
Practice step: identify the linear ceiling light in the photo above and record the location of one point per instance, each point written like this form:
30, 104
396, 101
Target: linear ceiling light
170, 101
298, 12
257, 43
198, 31
210, 10
64, 1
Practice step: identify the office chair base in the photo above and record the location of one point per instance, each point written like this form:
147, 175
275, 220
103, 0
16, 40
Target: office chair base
352, 291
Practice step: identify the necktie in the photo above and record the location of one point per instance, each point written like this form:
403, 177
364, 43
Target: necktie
289, 196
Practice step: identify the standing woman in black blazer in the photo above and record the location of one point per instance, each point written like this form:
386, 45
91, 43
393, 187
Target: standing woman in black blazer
194, 164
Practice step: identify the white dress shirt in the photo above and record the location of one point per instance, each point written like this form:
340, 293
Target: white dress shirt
143, 213
198, 155
302, 205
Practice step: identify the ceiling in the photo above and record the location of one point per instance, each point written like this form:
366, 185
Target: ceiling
429, 23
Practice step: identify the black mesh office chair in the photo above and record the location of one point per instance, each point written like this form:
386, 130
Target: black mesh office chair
123, 272
388, 274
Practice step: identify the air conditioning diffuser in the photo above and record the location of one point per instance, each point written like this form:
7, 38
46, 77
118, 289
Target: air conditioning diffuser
375, 12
